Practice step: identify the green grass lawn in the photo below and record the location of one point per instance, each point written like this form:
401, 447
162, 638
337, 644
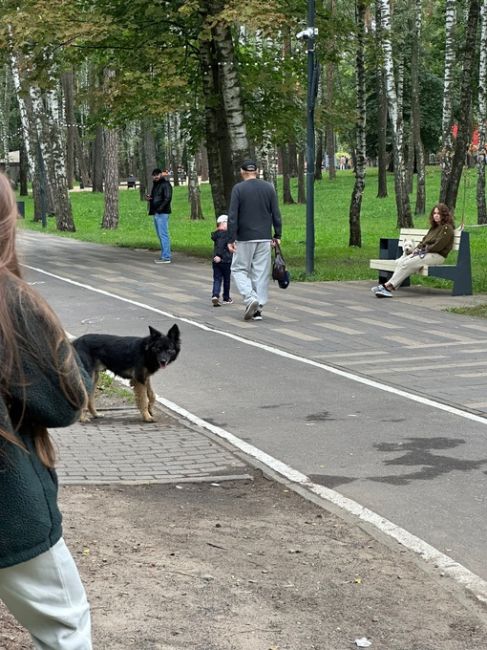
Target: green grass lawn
334, 259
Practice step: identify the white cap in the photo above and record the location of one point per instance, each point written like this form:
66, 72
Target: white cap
222, 218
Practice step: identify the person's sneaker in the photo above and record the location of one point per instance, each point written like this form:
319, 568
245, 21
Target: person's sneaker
215, 301
228, 302
379, 287
161, 261
251, 309
383, 293
257, 315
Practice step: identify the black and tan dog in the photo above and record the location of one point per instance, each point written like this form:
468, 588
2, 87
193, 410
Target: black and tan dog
131, 357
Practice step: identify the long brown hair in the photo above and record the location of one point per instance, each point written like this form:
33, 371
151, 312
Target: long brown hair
49, 348
445, 214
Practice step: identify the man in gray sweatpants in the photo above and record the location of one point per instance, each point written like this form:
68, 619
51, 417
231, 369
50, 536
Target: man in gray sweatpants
253, 216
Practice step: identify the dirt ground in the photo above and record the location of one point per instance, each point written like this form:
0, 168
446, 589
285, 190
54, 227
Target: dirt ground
248, 565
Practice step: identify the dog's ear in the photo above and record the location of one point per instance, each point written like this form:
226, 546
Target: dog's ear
174, 334
155, 334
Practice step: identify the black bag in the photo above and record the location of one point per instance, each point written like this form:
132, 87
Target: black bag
279, 272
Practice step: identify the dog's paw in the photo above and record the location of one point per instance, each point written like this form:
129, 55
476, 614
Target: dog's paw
147, 417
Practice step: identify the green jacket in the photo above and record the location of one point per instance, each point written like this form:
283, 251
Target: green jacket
30, 520
438, 239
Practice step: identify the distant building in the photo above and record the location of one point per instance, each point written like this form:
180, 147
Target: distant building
13, 166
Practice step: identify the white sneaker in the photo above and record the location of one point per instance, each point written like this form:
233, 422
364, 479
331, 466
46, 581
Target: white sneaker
379, 287
383, 293
160, 261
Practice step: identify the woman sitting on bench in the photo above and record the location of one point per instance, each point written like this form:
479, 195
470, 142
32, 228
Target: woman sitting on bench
431, 251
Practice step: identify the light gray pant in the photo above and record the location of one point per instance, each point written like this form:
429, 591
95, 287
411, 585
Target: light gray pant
251, 269
46, 596
410, 264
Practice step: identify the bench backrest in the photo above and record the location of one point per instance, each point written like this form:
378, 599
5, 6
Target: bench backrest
416, 235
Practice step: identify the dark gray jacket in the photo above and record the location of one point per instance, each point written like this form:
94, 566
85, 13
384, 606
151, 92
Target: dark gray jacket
30, 520
254, 212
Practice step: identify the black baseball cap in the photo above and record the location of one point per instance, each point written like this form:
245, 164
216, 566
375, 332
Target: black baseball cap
248, 166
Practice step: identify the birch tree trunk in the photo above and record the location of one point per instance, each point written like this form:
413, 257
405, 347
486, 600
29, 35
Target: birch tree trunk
220, 164
482, 150
194, 195
404, 218
231, 95
355, 238
382, 162
465, 113
46, 114
420, 207
67, 81
5, 94
447, 115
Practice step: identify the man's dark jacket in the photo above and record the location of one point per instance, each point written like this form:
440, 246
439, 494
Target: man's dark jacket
161, 195
254, 212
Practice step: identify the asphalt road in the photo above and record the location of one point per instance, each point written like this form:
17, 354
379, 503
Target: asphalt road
331, 382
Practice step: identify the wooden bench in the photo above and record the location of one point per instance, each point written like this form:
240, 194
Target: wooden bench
460, 273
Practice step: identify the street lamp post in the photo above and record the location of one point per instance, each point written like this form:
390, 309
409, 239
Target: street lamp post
310, 34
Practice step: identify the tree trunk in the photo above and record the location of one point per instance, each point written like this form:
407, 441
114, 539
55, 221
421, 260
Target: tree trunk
286, 178
360, 147
382, 162
46, 115
231, 95
319, 156
301, 182
420, 207
110, 174
448, 80
194, 195
482, 150
404, 218
465, 113
97, 160
67, 80
220, 164
23, 170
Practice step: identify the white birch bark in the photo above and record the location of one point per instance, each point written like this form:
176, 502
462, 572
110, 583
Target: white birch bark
482, 150
395, 115
24, 118
5, 93
448, 79
231, 95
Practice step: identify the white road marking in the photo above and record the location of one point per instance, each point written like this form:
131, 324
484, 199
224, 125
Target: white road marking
445, 564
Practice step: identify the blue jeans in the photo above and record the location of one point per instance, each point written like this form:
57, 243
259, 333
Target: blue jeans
161, 224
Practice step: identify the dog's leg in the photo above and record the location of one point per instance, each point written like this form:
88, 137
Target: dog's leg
91, 397
90, 405
142, 400
151, 395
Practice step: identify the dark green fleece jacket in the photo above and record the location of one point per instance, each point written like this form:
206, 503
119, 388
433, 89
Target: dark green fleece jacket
30, 521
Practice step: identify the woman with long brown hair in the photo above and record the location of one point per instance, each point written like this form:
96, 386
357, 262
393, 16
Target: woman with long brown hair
41, 386
431, 251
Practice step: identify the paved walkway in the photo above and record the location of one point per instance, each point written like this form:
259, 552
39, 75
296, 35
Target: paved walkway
120, 448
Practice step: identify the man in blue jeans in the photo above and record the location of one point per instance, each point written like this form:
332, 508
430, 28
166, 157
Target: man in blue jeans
160, 207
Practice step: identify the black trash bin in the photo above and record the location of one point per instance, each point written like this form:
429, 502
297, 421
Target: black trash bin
21, 209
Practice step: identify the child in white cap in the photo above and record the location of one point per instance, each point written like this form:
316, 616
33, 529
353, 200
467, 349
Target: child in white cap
222, 261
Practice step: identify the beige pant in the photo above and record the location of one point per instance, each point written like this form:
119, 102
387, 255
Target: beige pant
406, 266
46, 596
